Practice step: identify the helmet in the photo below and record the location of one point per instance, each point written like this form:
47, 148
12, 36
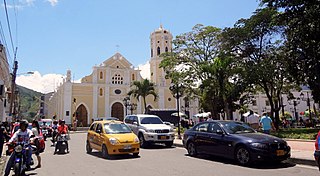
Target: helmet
23, 123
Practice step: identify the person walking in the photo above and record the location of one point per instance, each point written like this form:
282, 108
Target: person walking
36, 131
253, 120
266, 123
2, 137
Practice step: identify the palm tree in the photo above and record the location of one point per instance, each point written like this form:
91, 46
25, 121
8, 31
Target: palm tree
143, 88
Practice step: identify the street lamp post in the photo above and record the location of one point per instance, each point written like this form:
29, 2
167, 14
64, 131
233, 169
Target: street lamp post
308, 103
132, 107
295, 102
126, 103
175, 88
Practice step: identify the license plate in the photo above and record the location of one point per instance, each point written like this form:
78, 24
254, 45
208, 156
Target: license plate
280, 152
163, 137
127, 147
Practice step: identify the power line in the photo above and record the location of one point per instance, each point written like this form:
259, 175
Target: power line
8, 22
5, 44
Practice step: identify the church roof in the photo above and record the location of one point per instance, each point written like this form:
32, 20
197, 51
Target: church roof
117, 61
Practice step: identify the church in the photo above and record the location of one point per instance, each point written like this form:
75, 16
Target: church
103, 93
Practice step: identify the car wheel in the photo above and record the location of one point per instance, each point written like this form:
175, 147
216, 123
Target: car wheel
243, 156
143, 143
88, 148
135, 154
192, 151
169, 144
104, 152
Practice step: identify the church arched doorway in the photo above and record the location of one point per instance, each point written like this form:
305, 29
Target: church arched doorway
82, 116
117, 110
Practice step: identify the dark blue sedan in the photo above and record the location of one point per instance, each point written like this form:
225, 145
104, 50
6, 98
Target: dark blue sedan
234, 140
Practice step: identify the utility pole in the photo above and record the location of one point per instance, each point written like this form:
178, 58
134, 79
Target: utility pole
13, 88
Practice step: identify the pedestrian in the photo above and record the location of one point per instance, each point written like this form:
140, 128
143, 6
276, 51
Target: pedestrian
75, 123
253, 120
210, 118
266, 123
2, 137
36, 131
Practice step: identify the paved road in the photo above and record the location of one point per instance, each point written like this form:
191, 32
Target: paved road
156, 161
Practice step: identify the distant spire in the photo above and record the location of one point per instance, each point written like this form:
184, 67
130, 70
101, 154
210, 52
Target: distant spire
161, 26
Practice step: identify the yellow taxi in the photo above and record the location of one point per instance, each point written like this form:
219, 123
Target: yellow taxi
112, 137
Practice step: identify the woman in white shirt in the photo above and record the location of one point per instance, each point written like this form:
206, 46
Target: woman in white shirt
36, 132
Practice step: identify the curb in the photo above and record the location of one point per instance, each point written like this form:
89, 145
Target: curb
293, 160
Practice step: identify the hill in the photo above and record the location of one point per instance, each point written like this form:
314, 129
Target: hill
29, 102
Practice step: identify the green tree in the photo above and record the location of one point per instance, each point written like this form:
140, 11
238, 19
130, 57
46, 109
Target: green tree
143, 89
302, 32
257, 41
197, 62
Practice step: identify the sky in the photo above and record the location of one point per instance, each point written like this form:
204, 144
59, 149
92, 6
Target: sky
53, 36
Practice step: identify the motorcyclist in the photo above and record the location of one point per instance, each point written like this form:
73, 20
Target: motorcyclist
21, 135
62, 129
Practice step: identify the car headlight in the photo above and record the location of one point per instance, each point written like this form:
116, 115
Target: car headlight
136, 140
113, 141
149, 131
260, 146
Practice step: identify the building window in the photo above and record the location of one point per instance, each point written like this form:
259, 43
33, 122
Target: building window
151, 52
158, 51
166, 49
67, 113
254, 102
101, 92
101, 75
267, 103
132, 77
117, 79
169, 99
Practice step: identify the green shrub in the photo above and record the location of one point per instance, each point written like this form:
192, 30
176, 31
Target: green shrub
297, 133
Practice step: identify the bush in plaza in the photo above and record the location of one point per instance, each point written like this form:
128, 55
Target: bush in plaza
297, 133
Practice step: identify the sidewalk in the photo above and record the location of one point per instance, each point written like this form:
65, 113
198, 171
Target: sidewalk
301, 151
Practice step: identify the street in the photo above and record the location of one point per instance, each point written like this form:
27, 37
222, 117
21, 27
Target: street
156, 161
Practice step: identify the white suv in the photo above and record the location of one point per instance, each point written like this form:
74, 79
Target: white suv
150, 129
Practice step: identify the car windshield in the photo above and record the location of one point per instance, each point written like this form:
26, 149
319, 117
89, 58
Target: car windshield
237, 127
151, 120
116, 128
43, 123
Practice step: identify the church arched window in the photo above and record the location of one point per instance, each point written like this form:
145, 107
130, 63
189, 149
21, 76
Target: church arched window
151, 52
166, 49
101, 92
132, 77
158, 51
101, 75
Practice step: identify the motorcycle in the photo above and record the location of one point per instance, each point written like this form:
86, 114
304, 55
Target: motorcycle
45, 133
19, 158
61, 144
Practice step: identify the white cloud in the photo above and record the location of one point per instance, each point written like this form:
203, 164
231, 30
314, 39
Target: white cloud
53, 2
145, 70
49, 82
44, 84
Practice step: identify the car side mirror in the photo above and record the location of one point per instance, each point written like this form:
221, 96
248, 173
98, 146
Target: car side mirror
135, 123
219, 132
